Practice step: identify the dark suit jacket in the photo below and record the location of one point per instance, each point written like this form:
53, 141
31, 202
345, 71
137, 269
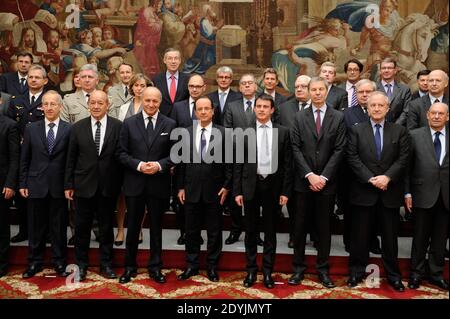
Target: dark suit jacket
415, 95
235, 115
401, 95
23, 112
337, 98
135, 147
287, 112
218, 113
5, 99
43, 173
321, 154
361, 156
9, 153
417, 112
181, 114
9, 83
245, 175
182, 91
426, 179
355, 115
203, 181
87, 172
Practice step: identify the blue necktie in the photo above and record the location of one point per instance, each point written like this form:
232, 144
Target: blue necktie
222, 100
389, 91
51, 138
437, 146
202, 144
378, 140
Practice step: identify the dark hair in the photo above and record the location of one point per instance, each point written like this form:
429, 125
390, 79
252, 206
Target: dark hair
266, 97
271, 71
25, 53
389, 60
204, 97
423, 72
137, 77
127, 64
355, 61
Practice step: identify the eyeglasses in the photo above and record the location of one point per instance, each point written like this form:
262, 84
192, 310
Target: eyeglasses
387, 68
224, 77
247, 82
197, 87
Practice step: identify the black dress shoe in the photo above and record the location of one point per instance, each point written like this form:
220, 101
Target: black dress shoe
83, 274
414, 283
157, 276
108, 272
19, 238
259, 241
296, 279
60, 270
441, 283
71, 241
182, 239
250, 279
376, 250
268, 281
326, 281
188, 273
31, 271
397, 285
127, 275
212, 275
232, 238
353, 281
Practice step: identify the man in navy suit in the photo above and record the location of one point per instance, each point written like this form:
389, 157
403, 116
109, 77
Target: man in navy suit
15, 83
224, 94
172, 84
145, 152
42, 163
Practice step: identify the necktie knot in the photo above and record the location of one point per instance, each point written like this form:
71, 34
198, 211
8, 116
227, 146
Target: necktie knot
51, 125
249, 104
436, 101
33, 99
98, 123
377, 126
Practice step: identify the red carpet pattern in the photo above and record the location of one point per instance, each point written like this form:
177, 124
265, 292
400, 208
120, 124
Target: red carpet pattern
45, 286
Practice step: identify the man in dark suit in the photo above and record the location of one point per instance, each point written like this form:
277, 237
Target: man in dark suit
417, 109
377, 153
203, 184
5, 98
145, 152
427, 197
270, 81
9, 167
263, 180
422, 84
336, 97
42, 163
399, 94
318, 141
172, 83
93, 179
224, 94
353, 69
15, 83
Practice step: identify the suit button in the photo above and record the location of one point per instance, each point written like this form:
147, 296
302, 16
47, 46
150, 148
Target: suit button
317, 152
31, 113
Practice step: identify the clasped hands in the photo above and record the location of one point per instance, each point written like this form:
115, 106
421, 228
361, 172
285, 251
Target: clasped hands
317, 183
149, 168
380, 181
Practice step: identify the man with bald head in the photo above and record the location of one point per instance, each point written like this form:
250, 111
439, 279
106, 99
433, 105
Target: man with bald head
93, 179
427, 197
418, 108
145, 152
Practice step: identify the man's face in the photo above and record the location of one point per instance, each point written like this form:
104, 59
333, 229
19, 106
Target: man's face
377, 108
353, 73
151, 100
318, 93
422, 82
328, 73
437, 82
247, 86
23, 64
263, 110
301, 90
196, 87
363, 92
36, 80
89, 80
125, 73
388, 71
28, 39
204, 111
51, 106
98, 104
224, 81
172, 60
437, 116
270, 82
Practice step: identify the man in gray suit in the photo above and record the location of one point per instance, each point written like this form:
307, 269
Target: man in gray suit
427, 195
399, 94
4, 102
119, 94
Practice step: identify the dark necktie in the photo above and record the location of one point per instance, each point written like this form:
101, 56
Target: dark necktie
389, 91
318, 122
193, 117
97, 137
202, 144
33, 99
378, 140
436, 101
87, 97
248, 110
51, 137
22, 83
126, 91
437, 146
303, 105
150, 128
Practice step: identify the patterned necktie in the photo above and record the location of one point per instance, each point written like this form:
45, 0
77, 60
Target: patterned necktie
248, 110
222, 100
202, 144
389, 91
378, 140
51, 137
173, 88
97, 137
318, 124
354, 101
437, 146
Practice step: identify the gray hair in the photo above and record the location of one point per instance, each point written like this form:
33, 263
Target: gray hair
40, 68
53, 92
328, 63
439, 104
317, 79
303, 77
90, 67
375, 93
224, 69
247, 74
365, 81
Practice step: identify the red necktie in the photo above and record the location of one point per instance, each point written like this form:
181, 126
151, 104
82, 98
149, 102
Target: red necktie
318, 122
173, 88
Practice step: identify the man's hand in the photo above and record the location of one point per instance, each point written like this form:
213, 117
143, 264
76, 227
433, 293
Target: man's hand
223, 195
24, 192
9, 192
69, 194
149, 168
408, 204
283, 200
239, 200
380, 181
181, 196
316, 182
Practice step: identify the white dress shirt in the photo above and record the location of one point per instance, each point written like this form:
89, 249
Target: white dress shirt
147, 119
36, 96
264, 168
198, 135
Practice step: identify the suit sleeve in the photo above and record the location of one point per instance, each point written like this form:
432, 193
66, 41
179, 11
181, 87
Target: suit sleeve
362, 172
413, 119
397, 169
228, 117
343, 104
410, 166
297, 143
25, 158
72, 153
14, 155
124, 149
330, 170
64, 112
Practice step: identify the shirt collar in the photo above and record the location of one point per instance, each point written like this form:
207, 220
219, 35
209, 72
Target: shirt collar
433, 98
442, 131
322, 109
208, 127
373, 123
349, 85
145, 115
268, 124
36, 95
190, 101
251, 100
271, 94
227, 91
384, 83
22, 77
168, 75
47, 122
102, 121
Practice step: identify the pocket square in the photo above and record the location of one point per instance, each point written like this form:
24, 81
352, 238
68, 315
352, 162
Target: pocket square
164, 133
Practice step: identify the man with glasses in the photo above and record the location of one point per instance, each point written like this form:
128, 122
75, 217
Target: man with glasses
353, 69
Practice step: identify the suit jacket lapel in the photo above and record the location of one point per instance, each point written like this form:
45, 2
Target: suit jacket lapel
310, 121
179, 86
43, 136
81, 99
107, 133
370, 138
327, 119
61, 132
140, 124
157, 130
386, 139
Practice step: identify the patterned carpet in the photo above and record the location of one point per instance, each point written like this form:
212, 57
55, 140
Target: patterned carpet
45, 286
